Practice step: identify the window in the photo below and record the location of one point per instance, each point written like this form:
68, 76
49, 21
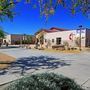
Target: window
58, 41
45, 40
52, 40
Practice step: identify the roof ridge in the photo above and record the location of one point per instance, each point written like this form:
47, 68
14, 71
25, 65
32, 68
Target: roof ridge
59, 29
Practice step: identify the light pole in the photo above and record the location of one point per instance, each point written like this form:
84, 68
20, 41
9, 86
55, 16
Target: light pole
80, 28
21, 40
24, 39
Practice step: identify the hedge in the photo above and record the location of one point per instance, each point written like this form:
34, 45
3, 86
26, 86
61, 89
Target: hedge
45, 81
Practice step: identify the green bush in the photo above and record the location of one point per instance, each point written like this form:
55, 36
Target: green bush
46, 81
17, 42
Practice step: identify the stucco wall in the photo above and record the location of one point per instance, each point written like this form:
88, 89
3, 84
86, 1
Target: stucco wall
65, 36
8, 39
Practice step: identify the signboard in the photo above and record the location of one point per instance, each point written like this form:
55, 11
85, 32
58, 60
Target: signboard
82, 31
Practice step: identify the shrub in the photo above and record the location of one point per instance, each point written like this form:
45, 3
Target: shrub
77, 41
65, 43
17, 42
46, 81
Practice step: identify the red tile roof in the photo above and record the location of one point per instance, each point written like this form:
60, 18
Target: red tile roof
41, 31
57, 29
53, 29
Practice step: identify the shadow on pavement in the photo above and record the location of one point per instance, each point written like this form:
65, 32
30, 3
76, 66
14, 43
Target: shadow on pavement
27, 63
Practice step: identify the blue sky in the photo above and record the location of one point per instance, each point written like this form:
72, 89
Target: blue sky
28, 20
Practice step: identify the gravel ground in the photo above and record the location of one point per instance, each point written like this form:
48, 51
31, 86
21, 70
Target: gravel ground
4, 59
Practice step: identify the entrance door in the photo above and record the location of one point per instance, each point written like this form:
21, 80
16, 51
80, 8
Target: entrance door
58, 41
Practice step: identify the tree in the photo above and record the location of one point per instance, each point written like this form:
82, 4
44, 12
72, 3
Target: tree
1, 33
47, 7
6, 9
29, 39
77, 41
1, 36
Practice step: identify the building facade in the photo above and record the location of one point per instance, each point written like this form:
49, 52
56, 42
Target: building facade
18, 39
72, 37
12, 38
41, 33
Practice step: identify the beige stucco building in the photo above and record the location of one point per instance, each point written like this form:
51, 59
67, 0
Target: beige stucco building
40, 35
72, 37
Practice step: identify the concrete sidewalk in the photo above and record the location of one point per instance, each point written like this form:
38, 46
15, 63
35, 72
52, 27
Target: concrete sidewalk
78, 70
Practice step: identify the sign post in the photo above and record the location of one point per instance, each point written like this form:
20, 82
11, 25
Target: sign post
80, 46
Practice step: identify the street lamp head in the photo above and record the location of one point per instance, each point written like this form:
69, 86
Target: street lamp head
80, 26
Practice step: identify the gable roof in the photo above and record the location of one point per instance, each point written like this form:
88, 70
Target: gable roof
53, 29
57, 29
45, 30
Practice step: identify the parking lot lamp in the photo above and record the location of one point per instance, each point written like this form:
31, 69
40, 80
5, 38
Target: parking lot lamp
80, 46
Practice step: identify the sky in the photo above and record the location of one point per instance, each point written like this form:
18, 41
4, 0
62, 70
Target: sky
29, 21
